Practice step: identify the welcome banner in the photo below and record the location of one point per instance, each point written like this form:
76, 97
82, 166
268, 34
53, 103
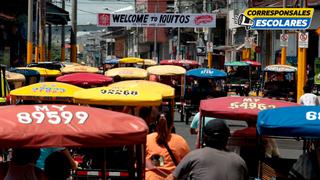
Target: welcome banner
157, 20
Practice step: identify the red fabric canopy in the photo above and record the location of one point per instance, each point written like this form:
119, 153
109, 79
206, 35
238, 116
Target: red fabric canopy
50, 125
183, 63
85, 79
253, 63
239, 108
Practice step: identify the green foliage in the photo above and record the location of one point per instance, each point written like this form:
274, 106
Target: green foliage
55, 52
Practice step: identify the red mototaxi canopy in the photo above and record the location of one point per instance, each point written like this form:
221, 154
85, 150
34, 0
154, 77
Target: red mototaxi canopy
252, 63
239, 108
85, 79
183, 63
39, 126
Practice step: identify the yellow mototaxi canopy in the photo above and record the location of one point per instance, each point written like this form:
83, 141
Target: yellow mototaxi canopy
148, 62
14, 77
79, 69
118, 96
130, 60
128, 73
165, 90
69, 64
166, 70
44, 72
50, 91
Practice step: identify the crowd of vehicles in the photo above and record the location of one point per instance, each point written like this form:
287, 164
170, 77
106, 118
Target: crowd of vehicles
94, 113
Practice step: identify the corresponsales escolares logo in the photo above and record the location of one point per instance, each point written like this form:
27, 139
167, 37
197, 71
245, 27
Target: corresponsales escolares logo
280, 18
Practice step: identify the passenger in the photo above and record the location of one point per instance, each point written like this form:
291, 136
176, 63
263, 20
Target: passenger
164, 150
308, 99
145, 114
307, 165
57, 166
213, 161
45, 152
117, 78
22, 165
271, 148
154, 78
194, 126
231, 70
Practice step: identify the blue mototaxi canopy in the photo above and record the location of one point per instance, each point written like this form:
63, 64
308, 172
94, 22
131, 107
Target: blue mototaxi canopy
206, 73
111, 61
298, 121
26, 72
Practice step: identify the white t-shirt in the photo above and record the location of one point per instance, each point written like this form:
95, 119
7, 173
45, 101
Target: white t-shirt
309, 99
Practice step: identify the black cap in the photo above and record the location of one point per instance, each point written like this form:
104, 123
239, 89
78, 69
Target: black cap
216, 128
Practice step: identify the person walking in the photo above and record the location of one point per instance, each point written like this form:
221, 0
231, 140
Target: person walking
164, 150
213, 161
308, 99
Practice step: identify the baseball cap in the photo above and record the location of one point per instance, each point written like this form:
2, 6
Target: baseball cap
216, 129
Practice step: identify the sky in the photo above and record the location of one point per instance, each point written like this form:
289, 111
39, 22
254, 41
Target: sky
88, 9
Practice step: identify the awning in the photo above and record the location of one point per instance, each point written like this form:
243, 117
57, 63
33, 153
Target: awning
223, 48
229, 48
279, 3
12, 9
56, 15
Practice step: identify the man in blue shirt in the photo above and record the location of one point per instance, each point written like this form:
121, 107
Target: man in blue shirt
45, 152
194, 126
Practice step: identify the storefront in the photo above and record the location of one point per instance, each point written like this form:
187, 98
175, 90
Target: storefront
13, 29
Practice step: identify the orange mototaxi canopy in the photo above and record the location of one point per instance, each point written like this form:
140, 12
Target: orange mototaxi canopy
56, 125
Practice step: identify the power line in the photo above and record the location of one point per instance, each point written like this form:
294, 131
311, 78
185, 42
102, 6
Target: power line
83, 10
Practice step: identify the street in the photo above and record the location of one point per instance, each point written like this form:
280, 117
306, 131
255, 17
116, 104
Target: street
289, 148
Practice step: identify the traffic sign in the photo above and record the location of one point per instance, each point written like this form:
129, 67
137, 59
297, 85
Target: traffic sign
303, 40
284, 40
201, 51
209, 46
248, 42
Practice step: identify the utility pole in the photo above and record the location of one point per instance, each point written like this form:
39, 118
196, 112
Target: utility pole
42, 36
30, 32
136, 34
36, 38
247, 53
49, 39
209, 42
155, 56
73, 38
302, 62
178, 40
283, 49
63, 50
